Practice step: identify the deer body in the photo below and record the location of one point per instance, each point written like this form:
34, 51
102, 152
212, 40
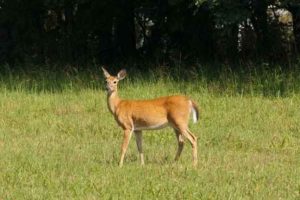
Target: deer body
137, 115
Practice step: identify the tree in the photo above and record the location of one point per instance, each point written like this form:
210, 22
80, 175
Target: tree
294, 7
83, 31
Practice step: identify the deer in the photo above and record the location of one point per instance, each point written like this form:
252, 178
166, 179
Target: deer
135, 116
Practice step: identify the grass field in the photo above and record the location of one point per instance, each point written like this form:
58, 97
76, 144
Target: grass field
58, 140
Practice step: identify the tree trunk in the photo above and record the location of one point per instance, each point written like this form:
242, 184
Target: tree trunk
295, 10
261, 26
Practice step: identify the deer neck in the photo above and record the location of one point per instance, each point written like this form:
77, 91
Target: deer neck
112, 101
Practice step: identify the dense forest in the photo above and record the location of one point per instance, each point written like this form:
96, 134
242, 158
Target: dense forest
108, 31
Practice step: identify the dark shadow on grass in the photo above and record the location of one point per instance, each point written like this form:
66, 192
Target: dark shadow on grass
245, 79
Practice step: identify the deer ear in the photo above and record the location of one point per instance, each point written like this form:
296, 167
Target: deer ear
106, 74
122, 74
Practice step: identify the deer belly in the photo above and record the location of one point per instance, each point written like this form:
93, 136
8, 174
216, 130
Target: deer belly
155, 126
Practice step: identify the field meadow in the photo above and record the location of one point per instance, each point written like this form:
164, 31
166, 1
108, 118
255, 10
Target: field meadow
59, 141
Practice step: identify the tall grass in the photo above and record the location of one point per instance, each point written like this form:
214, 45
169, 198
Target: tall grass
58, 140
264, 80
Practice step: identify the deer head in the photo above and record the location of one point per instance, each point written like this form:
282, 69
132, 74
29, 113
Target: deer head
112, 81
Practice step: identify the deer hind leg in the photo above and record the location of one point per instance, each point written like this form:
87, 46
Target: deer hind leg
126, 139
139, 143
194, 146
192, 139
180, 144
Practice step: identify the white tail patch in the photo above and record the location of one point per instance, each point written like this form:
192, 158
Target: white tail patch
194, 113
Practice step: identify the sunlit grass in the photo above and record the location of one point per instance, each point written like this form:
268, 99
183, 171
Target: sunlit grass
58, 141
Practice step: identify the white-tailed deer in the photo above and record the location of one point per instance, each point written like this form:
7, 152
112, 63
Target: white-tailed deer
137, 115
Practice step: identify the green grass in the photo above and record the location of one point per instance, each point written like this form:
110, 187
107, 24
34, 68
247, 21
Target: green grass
58, 140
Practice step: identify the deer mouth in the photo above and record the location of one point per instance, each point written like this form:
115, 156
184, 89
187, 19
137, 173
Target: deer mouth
109, 90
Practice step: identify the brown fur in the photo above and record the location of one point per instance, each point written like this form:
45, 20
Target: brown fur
138, 115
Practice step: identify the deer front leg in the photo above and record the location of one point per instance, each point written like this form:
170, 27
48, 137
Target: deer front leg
139, 143
126, 139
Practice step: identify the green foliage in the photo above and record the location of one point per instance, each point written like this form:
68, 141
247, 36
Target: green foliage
228, 12
91, 31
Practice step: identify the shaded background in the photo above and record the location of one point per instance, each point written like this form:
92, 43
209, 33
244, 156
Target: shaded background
163, 32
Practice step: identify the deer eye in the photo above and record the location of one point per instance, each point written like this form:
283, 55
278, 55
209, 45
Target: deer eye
115, 82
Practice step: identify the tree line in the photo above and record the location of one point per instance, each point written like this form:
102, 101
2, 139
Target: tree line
108, 31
